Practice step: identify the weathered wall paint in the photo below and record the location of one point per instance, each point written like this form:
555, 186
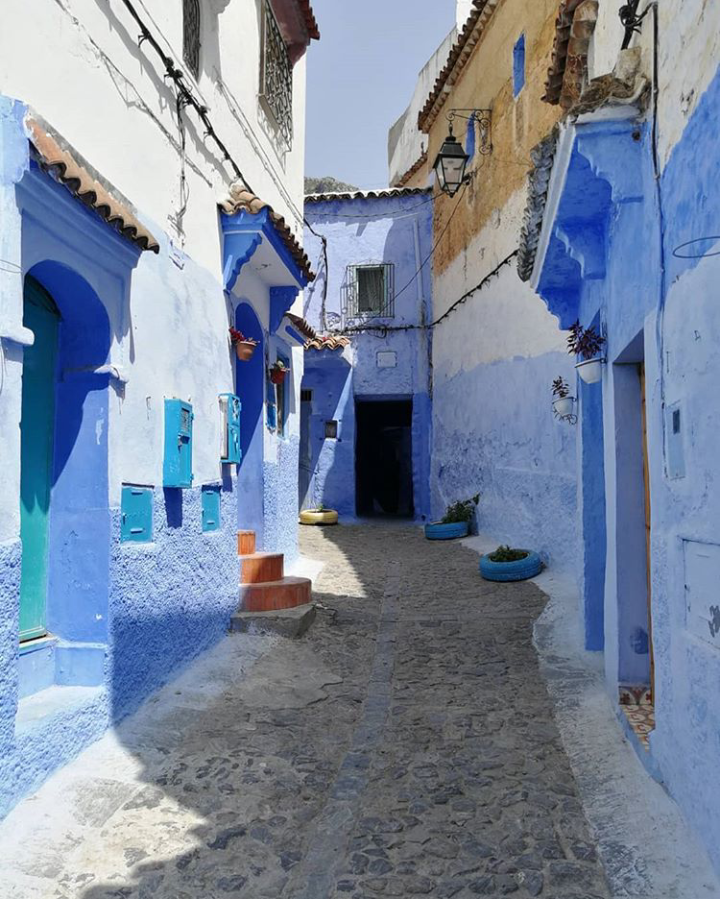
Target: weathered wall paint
494, 360
393, 230
664, 314
126, 617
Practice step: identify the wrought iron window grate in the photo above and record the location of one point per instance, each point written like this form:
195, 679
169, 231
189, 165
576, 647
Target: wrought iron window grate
370, 290
191, 35
276, 75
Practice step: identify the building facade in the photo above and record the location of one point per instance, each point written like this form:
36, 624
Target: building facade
626, 242
592, 205
151, 196
365, 407
496, 348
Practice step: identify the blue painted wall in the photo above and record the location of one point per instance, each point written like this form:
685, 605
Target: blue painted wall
123, 617
617, 263
494, 433
395, 230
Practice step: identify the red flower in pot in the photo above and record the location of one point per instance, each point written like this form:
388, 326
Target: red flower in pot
244, 347
278, 371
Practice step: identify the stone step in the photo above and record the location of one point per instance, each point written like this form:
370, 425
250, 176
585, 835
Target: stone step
261, 567
288, 592
290, 623
246, 541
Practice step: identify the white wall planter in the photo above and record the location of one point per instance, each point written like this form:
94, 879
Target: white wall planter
563, 407
590, 371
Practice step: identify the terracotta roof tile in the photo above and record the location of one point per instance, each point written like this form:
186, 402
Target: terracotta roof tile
56, 157
327, 343
310, 20
567, 74
367, 195
460, 53
239, 199
302, 326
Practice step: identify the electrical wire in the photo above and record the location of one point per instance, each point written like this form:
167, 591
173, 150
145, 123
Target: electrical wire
188, 98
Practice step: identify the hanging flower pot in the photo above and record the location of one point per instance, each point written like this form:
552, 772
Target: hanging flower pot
563, 407
244, 347
587, 344
590, 371
278, 372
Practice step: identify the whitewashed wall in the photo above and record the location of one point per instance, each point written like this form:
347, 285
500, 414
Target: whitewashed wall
78, 65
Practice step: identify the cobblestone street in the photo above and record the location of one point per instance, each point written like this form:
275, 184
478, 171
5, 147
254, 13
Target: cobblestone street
405, 748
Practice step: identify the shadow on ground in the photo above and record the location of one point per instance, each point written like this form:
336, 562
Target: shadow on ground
405, 748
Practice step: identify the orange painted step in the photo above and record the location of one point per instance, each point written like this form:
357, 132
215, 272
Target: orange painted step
261, 567
246, 541
288, 592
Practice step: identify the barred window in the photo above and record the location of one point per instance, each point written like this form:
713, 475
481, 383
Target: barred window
276, 75
191, 35
369, 290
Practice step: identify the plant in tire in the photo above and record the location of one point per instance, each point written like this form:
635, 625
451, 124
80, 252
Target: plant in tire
504, 554
461, 511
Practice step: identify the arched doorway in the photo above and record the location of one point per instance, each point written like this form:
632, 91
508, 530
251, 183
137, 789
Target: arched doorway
64, 516
250, 388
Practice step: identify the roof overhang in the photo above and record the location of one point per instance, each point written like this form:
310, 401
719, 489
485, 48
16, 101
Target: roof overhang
598, 166
297, 24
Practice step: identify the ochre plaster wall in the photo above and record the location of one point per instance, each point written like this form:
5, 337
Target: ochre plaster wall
518, 123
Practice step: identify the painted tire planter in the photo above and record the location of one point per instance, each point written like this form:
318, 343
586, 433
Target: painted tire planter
446, 530
510, 571
590, 371
318, 518
245, 349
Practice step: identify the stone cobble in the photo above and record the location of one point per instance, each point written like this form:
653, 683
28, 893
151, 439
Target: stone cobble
405, 747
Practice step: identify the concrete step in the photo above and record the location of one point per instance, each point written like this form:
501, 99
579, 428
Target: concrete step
246, 541
290, 623
261, 567
288, 592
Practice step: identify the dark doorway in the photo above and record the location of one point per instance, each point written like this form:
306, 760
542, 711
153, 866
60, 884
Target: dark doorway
383, 459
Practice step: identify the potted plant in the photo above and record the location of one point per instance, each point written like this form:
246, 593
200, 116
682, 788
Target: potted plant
278, 371
456, 522
319, 516
562, 400
244, 347
507, 564
586, 344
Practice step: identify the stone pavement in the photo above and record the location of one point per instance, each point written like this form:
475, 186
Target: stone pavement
406, 748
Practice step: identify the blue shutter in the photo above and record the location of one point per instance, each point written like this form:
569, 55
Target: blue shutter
177, 465
210, 508
231, 440
136, 509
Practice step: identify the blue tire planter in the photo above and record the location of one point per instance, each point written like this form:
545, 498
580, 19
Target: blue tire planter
509, 571
446, 530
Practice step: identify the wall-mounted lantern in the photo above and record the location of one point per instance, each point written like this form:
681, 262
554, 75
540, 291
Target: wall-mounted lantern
451, 161
450, 164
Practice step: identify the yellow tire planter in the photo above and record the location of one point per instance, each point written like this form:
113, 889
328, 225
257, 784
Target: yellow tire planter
318, 518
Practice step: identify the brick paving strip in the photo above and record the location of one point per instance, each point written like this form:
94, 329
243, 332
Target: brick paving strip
407, 748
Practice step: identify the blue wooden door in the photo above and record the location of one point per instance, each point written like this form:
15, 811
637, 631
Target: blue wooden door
37, 428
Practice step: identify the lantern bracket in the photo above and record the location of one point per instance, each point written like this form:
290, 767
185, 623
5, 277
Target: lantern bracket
482, 118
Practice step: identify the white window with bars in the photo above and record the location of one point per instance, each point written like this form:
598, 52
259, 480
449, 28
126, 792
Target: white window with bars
370, 290
276, 76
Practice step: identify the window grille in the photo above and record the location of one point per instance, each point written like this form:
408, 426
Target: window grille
370, 290
191, 35
276, 75
306, 394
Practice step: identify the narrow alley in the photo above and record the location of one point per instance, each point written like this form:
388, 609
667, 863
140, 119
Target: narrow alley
405, 748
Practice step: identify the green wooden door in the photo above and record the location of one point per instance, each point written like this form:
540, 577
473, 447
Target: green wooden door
36, 455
